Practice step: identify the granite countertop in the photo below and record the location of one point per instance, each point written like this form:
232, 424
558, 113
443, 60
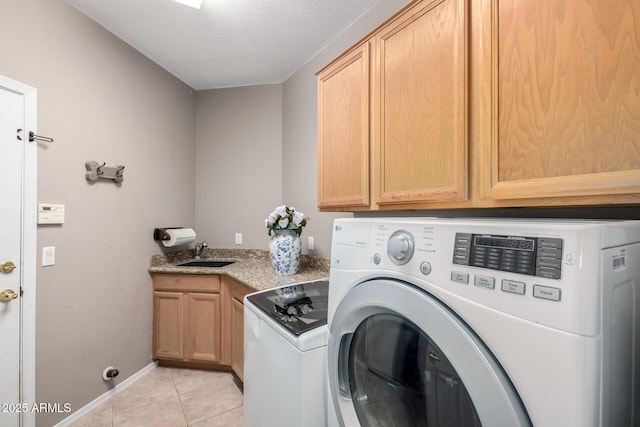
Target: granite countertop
251, 267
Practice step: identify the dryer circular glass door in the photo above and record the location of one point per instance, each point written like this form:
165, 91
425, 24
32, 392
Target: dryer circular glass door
398, 356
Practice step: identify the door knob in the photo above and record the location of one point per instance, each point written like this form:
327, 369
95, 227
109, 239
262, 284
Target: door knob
7, 267
7, 295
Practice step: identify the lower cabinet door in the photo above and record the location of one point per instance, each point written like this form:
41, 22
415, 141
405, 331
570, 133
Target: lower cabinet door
204, 341
168, 325
237, 338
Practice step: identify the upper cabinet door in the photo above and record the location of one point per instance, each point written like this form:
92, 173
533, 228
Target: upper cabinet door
562, 101
343, 131
419, 124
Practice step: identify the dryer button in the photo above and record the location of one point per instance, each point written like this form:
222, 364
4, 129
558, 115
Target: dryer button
425, 268
460, 277
485, 282
377, 259
513, 286
546, 292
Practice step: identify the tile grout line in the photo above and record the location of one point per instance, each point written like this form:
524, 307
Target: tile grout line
184, 414
145, 405
221, 413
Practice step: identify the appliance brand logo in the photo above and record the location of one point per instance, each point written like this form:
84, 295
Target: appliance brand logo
338, 228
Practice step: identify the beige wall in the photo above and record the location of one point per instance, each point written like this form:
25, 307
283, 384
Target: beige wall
256, 147
239, 169
100, 100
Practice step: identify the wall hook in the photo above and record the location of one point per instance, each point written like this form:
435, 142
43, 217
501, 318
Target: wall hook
96, 170
33, 137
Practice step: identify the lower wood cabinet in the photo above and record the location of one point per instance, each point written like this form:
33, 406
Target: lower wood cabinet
188, 325
168, 325
204, 328
238, 291
237, 337
198, 320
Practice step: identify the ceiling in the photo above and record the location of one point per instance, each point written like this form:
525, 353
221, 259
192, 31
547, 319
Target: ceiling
226, 43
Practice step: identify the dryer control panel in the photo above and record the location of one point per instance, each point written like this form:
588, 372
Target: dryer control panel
534, 256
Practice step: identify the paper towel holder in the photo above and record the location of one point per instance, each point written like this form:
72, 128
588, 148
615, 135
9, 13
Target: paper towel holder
161, 233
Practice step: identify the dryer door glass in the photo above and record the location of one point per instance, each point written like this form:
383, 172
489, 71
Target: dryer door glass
398, 356
399, 377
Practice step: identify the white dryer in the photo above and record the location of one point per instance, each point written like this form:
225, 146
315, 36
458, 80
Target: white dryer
468, 322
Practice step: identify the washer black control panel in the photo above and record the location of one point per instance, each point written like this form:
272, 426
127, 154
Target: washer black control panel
534, 256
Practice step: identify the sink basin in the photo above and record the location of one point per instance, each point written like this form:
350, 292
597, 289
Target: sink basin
205, 263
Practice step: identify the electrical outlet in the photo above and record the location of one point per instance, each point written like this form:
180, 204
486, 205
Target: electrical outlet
238, 238
311, 243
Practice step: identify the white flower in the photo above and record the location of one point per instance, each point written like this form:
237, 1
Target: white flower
299, 218
283, 222
271, 219
285, 218
281, 210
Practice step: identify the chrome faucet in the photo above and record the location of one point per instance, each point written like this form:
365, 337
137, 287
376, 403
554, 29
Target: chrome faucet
199, 248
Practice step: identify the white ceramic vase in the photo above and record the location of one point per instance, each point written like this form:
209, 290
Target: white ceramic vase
285, 248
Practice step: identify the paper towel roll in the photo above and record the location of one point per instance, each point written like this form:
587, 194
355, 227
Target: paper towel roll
179, 236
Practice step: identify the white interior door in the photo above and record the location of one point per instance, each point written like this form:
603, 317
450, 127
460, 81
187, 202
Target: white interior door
11, 179
18, 210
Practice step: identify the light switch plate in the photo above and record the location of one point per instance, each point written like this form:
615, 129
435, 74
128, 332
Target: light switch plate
48, 255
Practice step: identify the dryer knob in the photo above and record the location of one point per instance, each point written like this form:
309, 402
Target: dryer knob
400, 247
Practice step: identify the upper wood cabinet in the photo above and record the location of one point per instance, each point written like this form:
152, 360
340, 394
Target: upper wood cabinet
343, 131
392, 126
561, 84
489, 103
419, 124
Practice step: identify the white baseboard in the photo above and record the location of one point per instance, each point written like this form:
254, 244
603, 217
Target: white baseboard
106, 396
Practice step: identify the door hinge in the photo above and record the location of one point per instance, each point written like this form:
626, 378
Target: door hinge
21, 291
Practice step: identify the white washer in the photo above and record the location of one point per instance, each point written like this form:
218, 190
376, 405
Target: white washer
465, 322
285, 343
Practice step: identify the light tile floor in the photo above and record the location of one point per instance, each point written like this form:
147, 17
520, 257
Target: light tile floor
172, 397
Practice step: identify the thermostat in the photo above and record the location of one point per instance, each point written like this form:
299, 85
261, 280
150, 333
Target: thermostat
49, 213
